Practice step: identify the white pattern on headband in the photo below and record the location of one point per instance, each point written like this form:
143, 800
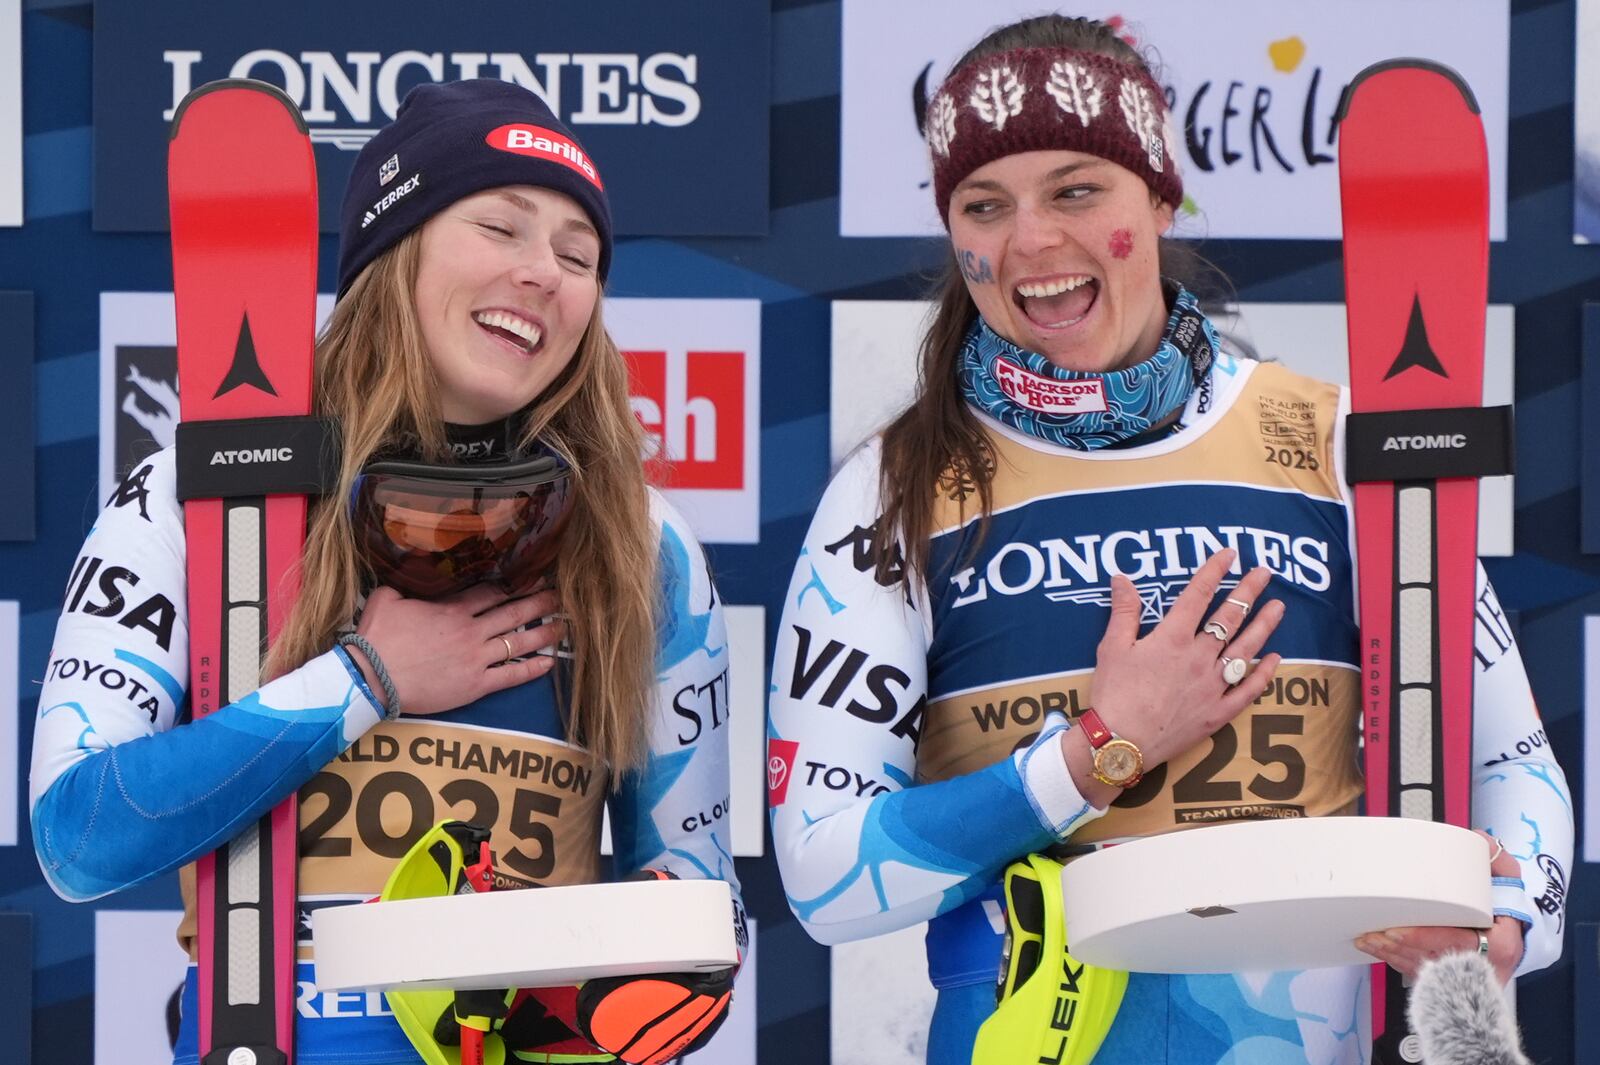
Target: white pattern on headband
1144, 120
1076, 90
998, 96
941, 123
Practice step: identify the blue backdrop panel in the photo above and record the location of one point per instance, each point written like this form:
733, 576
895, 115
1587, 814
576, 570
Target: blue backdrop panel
793, 260
1584, 947
671, 108
16, 986
16, 416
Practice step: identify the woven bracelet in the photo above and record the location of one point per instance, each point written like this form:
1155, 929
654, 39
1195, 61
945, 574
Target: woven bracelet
391, 697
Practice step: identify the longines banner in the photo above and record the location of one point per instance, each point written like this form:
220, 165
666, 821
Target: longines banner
669, 106
1253, 85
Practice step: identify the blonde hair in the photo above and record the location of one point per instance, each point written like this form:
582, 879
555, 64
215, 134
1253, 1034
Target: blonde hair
375, 379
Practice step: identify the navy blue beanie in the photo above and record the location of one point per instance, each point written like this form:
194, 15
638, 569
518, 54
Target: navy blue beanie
450, 141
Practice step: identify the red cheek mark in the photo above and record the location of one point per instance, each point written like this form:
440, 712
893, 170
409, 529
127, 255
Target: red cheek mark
1121, 244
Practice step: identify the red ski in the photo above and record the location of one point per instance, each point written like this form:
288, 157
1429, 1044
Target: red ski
243, 196
1414, 189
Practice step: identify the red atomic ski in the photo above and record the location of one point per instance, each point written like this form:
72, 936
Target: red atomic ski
243, 195
1414, 189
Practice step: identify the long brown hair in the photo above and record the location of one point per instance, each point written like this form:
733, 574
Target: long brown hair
374, 378
937, 445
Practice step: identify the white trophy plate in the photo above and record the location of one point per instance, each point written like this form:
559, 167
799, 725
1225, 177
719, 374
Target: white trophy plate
1271, 895
537, 937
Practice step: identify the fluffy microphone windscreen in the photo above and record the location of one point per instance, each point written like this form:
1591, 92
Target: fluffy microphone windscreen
1459, 1014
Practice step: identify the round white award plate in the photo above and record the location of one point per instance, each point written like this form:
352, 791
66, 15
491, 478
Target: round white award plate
538, 937
1270, 895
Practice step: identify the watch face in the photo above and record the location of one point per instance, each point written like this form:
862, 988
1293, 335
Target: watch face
1118, 760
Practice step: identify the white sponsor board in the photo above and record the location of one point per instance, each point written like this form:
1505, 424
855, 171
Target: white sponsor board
1586, 127
882, 1003
1256, 82
139, 378
874, 363
747, 733
10, 112
695, 386
1312, 338
747, 727
1591, 738
138, 974
874, 366
10, 738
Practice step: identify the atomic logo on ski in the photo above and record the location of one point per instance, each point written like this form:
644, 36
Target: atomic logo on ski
1416, 350
246, 368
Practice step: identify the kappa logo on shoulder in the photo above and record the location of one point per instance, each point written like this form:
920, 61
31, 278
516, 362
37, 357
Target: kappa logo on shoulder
863, 544
133, 490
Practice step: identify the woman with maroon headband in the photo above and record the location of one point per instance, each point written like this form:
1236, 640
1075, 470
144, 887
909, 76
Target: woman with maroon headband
1083, 463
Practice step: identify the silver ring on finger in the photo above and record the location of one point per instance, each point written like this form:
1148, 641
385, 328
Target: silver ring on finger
1217, 629
1242, 605
508, 651
1233, 670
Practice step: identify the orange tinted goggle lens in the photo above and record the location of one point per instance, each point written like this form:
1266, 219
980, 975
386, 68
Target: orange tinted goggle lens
433, 539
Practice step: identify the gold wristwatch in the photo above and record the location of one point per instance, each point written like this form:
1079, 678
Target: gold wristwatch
1117, 761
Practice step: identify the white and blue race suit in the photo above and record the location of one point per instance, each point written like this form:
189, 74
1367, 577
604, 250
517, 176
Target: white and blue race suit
914, 725
125, 787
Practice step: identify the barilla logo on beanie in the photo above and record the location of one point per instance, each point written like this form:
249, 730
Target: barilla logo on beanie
540, 143
453, 139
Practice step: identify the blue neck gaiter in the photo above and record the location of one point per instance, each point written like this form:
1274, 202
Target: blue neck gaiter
1086, 411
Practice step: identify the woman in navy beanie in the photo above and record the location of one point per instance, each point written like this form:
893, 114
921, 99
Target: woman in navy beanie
467, 341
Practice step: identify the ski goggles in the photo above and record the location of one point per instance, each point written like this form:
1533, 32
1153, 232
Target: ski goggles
1048, 1005
429, 531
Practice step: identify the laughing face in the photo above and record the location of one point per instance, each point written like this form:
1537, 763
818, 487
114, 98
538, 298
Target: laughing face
506, 285
1059, 252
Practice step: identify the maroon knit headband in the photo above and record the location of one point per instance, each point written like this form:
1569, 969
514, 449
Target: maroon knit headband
1046, 99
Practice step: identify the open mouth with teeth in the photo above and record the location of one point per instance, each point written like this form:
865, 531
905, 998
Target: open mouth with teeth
511, 329
1057, 302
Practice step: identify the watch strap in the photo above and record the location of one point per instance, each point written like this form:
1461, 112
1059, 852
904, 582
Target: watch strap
1094, 729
